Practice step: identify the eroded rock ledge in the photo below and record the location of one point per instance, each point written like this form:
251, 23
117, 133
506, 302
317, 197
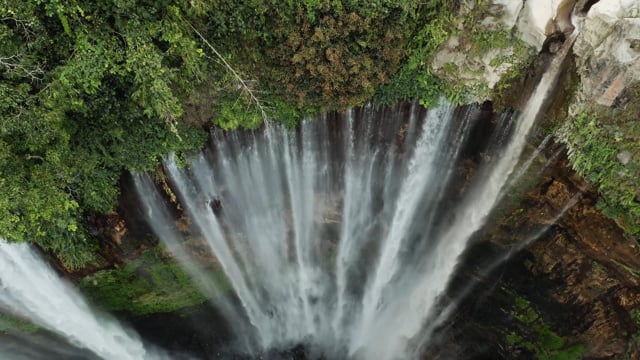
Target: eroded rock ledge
569, 287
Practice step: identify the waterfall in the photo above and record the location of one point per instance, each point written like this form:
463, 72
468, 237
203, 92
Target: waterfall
336, 235
341, 235
33, 291
420, 295
301, 214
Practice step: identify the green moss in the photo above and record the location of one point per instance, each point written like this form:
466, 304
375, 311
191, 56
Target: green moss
521, 60
538, 337
486, 40
152, 283
635, 316
634, 341
10, 322
598, 267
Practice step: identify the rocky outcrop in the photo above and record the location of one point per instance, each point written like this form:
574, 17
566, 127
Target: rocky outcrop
569, 289
607, 47
606, 51
482, 50
594, 266
496, 41
461, 60
537, 20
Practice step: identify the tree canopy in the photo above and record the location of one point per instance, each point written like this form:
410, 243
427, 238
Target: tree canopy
89, 89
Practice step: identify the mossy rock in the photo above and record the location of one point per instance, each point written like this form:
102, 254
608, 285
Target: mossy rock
153, 283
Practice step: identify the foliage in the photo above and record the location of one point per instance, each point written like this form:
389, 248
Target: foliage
152, 283
539, 337
234, 113
326, 55
596, 138
337, 56
635, 338
87, 90
10, 322
91, 89
415, 80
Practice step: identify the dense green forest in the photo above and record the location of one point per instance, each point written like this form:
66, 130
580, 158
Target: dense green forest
89, 89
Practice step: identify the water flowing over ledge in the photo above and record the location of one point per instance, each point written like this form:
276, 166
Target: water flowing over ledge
339, 235
336, 235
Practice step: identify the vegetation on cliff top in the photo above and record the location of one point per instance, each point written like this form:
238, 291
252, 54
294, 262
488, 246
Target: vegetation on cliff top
91, 89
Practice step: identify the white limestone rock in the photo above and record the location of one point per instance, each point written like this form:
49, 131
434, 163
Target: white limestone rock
541, 18
465, 60
458, 62
606, 50
511, 11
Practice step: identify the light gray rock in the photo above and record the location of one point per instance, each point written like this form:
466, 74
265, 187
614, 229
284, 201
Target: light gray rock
606, 57
624, 157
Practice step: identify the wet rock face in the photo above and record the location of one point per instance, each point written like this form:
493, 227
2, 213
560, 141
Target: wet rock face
579, 281
594, 266
538, 20
585, 258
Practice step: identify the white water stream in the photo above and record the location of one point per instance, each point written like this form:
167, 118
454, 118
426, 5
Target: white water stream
32, 290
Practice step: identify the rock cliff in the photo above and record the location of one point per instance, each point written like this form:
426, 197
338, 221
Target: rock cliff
607, 51
571, 287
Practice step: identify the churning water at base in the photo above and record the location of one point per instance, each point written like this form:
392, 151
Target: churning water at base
32, 290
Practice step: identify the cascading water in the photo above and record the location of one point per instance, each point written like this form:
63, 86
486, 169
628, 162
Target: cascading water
331, 236
287, 202
338, 235
32, 290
